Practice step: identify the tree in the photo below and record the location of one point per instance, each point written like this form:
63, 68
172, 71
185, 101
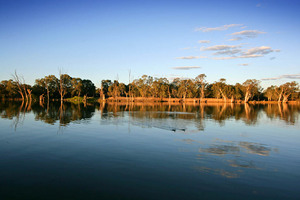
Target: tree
186, 88
270, 93
64, 85
9, 88
159, 87
114, 90
238, 91
88, 87
250, 88
201, 84
49, 83
221, 89
76, 86
144, 85
288, 89
104, 86
19, 83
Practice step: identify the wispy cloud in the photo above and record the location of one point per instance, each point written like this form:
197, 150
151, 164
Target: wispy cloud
250, 53
286, 76
204, 41
235, 57
191, 57
258, 5
220, 47
235, 39
186, 67
244, 64
258, 50
223, 49
228, 52
220, 28
248, 33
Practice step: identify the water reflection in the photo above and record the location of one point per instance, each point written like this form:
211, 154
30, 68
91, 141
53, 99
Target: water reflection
236, 146
235, 157
150, 115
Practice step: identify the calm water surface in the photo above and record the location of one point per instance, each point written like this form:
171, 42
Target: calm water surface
149, 151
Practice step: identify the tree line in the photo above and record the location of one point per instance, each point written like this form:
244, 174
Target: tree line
65, 86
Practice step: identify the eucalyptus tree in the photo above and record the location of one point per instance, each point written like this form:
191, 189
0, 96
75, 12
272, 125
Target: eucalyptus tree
250, 88
76, 86
9, 88
288, 89
2, 90
174, 87
49, 83
186, 88
238, 91
88, 87
64, 85
201, 84
105, 84
221, 89
144, 85
114, 90
160, 87
270, 93
19, 84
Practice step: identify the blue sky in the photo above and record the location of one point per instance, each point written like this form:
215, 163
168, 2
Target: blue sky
96, 40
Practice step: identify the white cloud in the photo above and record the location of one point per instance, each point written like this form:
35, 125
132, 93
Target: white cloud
228, 52
235, 51
244, 64
248, 33
286, 76
204, 41
235, 39
220, 47
186, 67
191, 57
235, 57
259, 50
220, 28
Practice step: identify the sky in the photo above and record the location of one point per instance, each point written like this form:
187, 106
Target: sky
96, 40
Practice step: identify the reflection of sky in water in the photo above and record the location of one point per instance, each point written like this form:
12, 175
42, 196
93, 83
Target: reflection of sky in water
251, 151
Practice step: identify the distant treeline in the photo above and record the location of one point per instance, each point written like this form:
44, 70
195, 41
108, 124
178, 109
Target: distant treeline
65, 86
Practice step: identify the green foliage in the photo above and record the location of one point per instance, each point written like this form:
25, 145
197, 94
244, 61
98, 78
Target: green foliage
146, 86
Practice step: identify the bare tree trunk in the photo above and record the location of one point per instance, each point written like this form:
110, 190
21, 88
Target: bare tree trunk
29, 94
25, 92
285, 98
223, 95
280, 96
61, 87
18, 81
48, 93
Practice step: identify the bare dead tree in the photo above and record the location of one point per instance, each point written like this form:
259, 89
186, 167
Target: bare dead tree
18, 81
61, 88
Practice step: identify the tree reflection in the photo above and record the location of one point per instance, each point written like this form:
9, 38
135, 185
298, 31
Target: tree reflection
183, 116
286, 112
